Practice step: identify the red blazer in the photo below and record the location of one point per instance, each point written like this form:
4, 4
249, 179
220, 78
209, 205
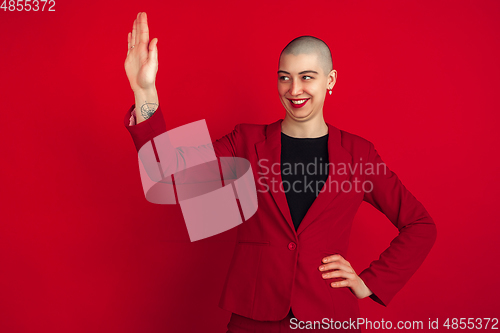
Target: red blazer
275, 267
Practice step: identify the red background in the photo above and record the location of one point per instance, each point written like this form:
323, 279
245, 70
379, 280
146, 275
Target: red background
81, 250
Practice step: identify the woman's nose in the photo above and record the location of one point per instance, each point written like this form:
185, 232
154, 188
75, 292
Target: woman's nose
296, 88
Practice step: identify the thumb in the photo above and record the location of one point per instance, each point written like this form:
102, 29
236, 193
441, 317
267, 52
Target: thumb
153, 50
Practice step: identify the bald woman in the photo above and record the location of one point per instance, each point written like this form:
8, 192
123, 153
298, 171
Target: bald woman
289, 268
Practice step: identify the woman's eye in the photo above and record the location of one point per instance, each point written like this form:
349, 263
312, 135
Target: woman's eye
286, 78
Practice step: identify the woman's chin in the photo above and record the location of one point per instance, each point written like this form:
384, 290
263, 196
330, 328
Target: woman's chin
300, 114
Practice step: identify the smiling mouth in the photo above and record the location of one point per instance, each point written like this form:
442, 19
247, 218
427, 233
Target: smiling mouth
298, 101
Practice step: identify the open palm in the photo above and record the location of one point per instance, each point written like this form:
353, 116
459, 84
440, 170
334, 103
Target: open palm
141, 64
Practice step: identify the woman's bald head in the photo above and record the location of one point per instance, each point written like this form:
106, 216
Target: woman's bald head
308, 45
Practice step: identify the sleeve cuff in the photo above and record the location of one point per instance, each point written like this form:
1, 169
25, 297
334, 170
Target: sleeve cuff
379, 296
145, 131
132, 118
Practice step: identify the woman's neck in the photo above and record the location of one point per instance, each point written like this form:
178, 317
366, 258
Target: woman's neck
312, 128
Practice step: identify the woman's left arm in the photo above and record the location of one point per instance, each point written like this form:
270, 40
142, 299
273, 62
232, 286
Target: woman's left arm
407, 251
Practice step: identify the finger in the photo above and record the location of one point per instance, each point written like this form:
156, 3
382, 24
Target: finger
136, 23
336, 265
129, 37
336, 257
333, 257
339, 273
153, 50
343, 283
134, 33
143, 30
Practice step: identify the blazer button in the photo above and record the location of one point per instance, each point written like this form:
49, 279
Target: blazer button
292, 246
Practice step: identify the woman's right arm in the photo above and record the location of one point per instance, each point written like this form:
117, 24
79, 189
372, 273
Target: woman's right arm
141, 66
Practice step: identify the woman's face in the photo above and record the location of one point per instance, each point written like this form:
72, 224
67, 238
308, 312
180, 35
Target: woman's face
302, 85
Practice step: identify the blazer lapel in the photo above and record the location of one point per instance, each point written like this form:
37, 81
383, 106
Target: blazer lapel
338, 159
269, 154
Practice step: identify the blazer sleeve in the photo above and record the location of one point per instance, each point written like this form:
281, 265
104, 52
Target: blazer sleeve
417, 232
155, 125
146, 130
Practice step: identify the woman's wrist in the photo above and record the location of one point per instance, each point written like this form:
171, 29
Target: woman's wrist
146, 103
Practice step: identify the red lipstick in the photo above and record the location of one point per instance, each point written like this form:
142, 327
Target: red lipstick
298, 105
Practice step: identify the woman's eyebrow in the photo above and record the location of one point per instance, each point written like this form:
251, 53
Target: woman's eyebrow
303, 72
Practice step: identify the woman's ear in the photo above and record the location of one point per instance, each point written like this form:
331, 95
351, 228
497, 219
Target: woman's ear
332, 78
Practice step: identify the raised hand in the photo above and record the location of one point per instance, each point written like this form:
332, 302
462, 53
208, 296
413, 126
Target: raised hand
141, 64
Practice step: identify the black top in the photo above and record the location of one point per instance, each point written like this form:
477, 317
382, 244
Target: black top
304, 170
